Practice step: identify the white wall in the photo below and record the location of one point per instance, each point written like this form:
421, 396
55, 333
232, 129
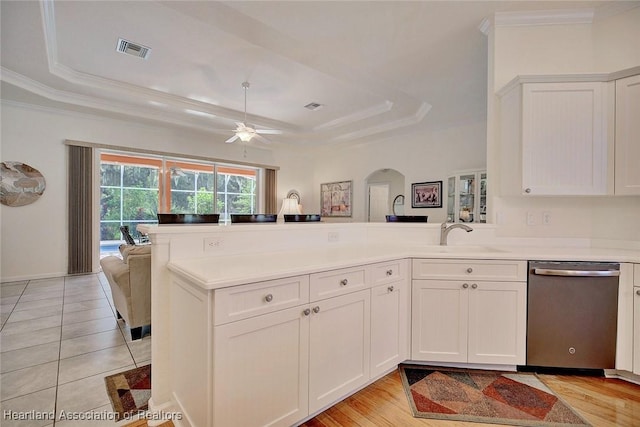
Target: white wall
607, 45
428, 156
34, 237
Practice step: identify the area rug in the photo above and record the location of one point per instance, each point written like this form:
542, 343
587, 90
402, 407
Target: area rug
516, 399
129, 391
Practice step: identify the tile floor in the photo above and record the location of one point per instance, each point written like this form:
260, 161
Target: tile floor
59, 338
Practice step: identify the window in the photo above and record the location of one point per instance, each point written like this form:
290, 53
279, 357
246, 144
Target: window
134, 188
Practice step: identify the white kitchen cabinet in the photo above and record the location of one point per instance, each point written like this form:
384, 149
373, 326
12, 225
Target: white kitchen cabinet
440, 313
627, 136
339, 344
636, 319
467, 197
476, 314
553, 139
261, 369
289, 347
390, 318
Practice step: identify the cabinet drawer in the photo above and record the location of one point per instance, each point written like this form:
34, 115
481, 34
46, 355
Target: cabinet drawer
242, 302
469, 269
636, 274
337, 282
388, 272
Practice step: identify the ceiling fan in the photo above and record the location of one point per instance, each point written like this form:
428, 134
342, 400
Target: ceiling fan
244, 132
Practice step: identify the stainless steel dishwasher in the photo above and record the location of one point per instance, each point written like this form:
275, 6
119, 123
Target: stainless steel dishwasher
572, 314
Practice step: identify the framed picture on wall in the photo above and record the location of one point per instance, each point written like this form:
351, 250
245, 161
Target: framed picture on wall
335, 198
426, 194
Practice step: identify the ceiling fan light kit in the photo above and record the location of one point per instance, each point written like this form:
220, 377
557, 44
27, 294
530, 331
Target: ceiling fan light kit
246, 133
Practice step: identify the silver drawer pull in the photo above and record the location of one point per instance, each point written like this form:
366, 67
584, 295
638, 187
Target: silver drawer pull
474, 286
306, 312
465, 285
268, 298
344, 282
576, 273
389, 272
527, 190
469, 270
390, 288
316, 309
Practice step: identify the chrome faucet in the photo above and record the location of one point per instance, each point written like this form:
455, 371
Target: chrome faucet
444, 231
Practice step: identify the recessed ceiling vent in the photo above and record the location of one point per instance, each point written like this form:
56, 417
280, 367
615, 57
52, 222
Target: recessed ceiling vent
313, 106
131, 48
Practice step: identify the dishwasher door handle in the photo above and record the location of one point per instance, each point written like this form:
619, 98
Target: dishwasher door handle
576, 273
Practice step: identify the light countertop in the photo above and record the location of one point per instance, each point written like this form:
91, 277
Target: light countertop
231, 270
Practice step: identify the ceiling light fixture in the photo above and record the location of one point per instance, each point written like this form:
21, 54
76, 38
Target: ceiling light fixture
246, 133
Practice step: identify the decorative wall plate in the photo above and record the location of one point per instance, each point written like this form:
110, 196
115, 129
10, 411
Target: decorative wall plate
21, 184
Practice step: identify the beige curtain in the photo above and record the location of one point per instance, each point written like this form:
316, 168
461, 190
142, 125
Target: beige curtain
270, 191
80, 196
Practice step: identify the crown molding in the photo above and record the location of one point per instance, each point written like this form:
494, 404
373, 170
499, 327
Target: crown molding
357, 116
406, 121
544, 17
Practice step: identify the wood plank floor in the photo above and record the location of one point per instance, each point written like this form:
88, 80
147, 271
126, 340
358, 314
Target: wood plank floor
601, 401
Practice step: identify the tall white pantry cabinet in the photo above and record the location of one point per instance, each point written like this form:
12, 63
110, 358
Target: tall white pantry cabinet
570, 138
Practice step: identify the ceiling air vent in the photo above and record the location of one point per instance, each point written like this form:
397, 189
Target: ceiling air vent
131, 48
313, 106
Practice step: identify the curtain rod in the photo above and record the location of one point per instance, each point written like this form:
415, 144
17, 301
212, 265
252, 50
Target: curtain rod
164, 153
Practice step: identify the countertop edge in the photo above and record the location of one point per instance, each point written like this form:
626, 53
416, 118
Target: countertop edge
312, 263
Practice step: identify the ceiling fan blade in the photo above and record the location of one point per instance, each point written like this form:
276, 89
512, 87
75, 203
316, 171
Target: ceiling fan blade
269, 131
233, 138
261, 139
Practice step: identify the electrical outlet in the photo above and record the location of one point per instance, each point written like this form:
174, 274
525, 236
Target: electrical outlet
546, 218
531, 218
212, 243
333, 236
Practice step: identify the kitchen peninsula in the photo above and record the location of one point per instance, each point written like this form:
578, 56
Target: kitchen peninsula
255, 301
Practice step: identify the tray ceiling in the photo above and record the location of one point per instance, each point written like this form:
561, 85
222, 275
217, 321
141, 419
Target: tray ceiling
376, 68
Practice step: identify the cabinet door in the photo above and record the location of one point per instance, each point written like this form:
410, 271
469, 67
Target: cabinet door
389, 326
339, 345
636, 328
261, 370
439, 320
564, 144
627, 157
497, 322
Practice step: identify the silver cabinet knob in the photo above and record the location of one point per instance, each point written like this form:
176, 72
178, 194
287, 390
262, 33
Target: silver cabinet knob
268, 298
306, 312
474, 286
465, 285
389, 272
390, 288
344, 282
469, 270
316, 309
527, 190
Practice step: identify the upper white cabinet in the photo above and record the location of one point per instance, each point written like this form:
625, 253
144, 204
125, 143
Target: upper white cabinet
554, 139
571, 138
627, 137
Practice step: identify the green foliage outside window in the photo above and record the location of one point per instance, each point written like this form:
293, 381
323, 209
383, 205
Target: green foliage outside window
130, 195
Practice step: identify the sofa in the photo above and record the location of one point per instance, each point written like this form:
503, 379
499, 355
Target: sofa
130, 280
